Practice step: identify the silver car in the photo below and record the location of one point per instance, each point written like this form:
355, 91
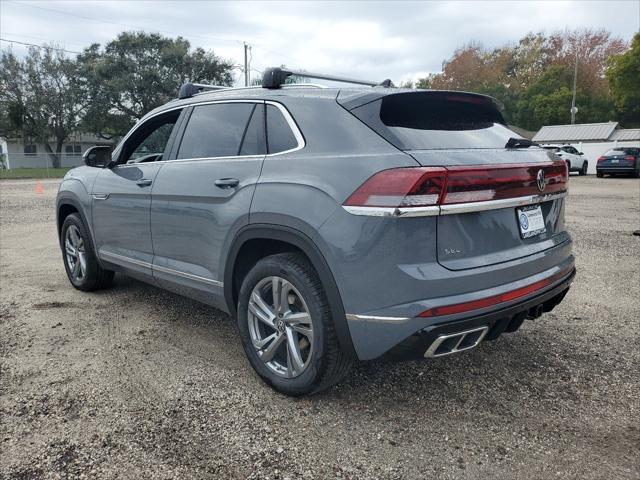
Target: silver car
335, 225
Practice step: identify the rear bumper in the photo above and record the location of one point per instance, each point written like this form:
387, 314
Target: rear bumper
375, 334
624, 169
506, 320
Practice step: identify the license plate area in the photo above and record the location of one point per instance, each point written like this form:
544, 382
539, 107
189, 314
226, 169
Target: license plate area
530, 221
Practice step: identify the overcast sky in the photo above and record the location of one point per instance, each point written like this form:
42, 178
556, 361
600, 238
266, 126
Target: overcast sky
369, 40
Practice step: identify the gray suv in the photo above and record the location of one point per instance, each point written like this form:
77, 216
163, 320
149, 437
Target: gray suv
336, 225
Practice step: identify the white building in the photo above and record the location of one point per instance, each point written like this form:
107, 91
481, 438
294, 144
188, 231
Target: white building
21, 153
593, 139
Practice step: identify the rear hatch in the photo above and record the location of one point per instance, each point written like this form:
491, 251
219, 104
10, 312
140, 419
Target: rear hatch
496, 204
619, 158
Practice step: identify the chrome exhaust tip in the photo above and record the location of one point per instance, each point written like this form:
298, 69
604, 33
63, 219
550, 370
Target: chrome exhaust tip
456, 342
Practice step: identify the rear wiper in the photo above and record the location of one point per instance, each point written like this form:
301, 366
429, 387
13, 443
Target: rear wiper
520, 143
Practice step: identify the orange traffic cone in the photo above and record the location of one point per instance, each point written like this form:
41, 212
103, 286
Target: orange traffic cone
39, 188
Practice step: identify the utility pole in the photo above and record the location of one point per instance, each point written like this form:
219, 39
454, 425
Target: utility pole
574, 110
246, 65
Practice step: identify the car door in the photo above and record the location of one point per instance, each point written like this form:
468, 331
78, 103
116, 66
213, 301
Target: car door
203, 193
121, 195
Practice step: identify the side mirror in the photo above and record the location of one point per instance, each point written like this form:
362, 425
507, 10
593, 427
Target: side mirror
97, 156
580, 153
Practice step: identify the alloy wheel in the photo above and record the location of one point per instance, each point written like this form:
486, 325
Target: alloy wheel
74, 248
280, 327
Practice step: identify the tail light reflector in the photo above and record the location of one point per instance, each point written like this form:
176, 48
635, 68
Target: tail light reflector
495, 299
430, 186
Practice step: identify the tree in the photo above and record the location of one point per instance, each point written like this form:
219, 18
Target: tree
138, 72
531, 78
623, 75
42, 97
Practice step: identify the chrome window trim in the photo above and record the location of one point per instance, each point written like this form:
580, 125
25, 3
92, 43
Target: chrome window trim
455, 208
290, 121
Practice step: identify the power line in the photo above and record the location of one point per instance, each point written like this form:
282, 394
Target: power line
39, 46
206, 37
84, 17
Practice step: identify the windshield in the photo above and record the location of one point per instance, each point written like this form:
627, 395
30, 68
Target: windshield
437, 120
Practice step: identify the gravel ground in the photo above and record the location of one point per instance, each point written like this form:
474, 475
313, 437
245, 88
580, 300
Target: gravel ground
135, 382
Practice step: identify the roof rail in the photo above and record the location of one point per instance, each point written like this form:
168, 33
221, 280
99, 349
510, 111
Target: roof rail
276, 77
188, 89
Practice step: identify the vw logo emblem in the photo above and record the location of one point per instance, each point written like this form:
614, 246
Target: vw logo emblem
524, 222
540, 180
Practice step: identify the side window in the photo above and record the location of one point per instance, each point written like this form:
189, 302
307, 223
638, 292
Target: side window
215, 130
279, 135
30, 149
148, 142
255, 142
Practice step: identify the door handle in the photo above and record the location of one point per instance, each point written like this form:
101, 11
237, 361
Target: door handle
144, 182
227, 182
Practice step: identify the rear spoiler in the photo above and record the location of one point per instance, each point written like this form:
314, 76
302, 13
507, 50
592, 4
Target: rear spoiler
350, 99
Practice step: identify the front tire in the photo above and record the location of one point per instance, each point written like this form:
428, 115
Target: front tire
286, 326
80, 262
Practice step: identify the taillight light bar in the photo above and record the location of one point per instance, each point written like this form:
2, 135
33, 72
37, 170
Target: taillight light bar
431, 190
495, 299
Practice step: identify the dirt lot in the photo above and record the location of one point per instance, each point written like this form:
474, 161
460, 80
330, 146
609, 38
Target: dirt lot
135, 382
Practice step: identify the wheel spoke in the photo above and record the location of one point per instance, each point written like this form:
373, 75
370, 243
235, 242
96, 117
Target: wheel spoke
70, 249
82, 260
76, 269
276, 288
268, 353
74, 235
295, 364
298, 318
261, 310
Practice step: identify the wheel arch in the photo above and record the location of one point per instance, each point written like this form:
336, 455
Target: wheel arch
278, 237
66, 205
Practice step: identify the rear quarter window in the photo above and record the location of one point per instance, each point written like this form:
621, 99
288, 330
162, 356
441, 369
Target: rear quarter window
280, 137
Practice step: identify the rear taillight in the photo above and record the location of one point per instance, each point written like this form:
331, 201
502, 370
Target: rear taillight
400, 187
601, 159
630, 158
411, 187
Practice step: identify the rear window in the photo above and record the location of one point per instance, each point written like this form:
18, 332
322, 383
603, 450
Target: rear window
622, 151
437, 120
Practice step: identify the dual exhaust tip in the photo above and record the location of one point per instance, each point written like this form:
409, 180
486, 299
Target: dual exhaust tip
456, 342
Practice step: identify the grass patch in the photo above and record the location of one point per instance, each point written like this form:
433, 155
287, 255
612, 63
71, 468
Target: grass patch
33, 173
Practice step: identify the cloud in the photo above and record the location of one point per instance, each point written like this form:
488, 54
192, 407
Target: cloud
377, 40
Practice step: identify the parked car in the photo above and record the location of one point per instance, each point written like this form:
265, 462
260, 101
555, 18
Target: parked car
335, 225
620, 160
575, 159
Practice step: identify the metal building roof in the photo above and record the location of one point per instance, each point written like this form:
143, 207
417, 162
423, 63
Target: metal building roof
627, 134
572, 133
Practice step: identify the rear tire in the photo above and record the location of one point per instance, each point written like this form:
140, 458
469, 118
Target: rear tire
289, 338
599, 174
80, 262
583, 170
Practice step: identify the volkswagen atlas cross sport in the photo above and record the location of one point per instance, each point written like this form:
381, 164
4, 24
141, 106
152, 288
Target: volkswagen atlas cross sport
335, 225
